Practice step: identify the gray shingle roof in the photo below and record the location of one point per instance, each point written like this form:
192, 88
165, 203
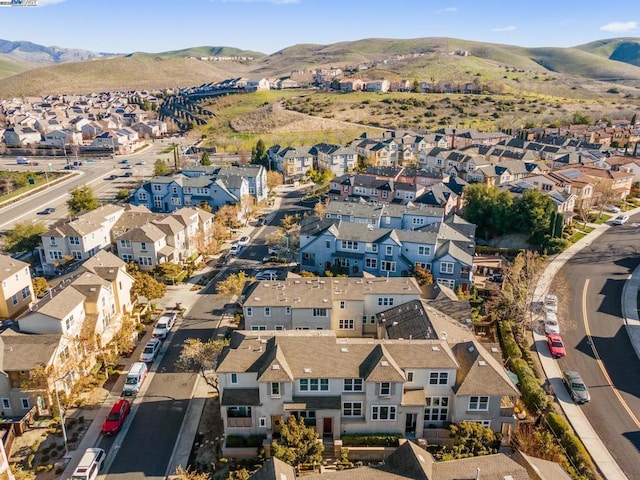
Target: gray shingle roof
480, 373
10, 266
240, 396
62, 304
23, 351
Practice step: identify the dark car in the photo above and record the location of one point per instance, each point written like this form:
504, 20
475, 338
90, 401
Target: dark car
47, 211
576, 387
111, 177
116, 417
125, 161
128, 174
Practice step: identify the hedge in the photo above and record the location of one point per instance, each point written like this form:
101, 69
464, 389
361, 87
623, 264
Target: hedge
571, 443
238, 441
533, 395
371, 440
509, 343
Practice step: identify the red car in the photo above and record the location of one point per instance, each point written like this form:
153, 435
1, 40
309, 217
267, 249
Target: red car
556, 345
116, 417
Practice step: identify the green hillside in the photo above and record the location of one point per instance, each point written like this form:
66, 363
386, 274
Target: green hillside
203, 51
9, 68
625, 50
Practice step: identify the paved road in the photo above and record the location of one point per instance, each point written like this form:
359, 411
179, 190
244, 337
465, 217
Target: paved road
600, 350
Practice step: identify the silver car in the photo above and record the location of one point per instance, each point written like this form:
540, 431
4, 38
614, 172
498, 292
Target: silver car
576, 387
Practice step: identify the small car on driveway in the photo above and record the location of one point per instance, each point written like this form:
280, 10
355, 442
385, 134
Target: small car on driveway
244, 241
116, 417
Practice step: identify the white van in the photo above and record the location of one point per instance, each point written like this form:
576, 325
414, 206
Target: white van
90, 464
23, 161
136, 375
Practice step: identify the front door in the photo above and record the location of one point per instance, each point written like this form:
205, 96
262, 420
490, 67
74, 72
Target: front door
276, 425
327, 427
410, 424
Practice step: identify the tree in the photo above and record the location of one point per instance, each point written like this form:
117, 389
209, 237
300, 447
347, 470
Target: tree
24, 237
249, 208
40, 286
320, 208
274, 179
227, 215
233, 284
146, 286
123, 194
205, 161
489, 208
533, 211
633, 120
415, 87
160, 167
298, 444
82, 199
202, 358
186, 474
259, 153
169, 270
422, 276
473, 438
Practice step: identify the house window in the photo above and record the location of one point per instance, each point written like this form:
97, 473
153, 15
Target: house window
352, 409
478, 403
388, 266
352, 385
143, 245
422, 250
157, 202
267, 311
437, 410
344, 262
447, 282
385, 389
175, 201
346, 324
372, 247
384, 195
125, 243
387, 219
249, 311
239, 412
6, 404
349, 245
275, 389
14, 299
145, 261
389, 250
287, 310
25, 403
52, 241
174, 190
234, 378
258, 328
371, 263
319, 312
438, 378
55, 255
25, 293
262, 422
327, 243
446, 267
484, 423
279, 327
77, 255
74, 240
409, 376
126, 258
142, 196
157, 188
385, 301
314, 384
423, 265
383, 412
417, 221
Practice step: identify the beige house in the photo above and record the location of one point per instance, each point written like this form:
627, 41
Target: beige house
16, 289
79, 238
109, 267
347, 306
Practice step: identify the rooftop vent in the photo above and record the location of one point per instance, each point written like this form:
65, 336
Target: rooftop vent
296, 281
435, 348
344, 349
495, 350
306, 370
275, 366
471, 348
384, 363
263, 340
482, 363
324, 300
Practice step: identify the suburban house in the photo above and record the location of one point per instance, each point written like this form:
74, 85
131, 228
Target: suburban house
446, 249
21, 354
611, 185
112, 269
62, 137
580, 185
624, 164
254, 84
150, 128
387, 215
292, 162
359, 385
16, 289
21, 136
412, 461
346, 305
79, 238
336, 158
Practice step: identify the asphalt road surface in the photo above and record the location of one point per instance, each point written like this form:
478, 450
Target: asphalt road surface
597, 343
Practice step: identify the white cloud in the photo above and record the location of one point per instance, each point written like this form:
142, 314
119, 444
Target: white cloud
510, 28
619, 26
447, 10
45, 3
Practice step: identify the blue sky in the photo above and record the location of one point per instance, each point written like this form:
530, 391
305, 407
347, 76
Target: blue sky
124, 26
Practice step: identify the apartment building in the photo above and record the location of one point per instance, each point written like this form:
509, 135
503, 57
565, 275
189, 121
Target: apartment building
16, 288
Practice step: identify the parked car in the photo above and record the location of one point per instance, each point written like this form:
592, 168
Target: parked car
621, 219
141, 162
125, 161
273, 259
116, 417
235, 249
164, 325
613, 209
128, 174
551, 324
150, 351
90, 464
276, 250
71, 167
244, 241
111, 177
551, 303
576, 386
47, 211
556, 345
127, 167
267, 275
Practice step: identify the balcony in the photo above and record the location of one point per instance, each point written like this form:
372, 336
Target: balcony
239, 422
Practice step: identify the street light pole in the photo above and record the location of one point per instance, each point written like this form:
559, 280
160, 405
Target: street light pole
64, 429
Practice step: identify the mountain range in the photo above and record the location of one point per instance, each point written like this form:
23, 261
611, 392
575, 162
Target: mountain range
30, 69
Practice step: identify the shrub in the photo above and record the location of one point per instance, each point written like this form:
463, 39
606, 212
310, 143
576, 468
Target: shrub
371, 440
236, 441
571, 443
533, 395
509, 343
255, 441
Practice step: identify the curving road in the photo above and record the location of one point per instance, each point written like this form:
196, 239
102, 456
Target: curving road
597, 342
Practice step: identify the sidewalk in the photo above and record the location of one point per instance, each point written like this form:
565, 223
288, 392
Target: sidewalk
594, 445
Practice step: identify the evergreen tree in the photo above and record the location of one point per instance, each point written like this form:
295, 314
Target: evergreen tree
82, 199
298, 443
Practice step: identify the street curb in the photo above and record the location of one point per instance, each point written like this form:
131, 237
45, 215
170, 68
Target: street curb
630, 309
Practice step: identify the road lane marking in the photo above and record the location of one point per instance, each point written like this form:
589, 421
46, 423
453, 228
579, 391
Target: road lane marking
599, 360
